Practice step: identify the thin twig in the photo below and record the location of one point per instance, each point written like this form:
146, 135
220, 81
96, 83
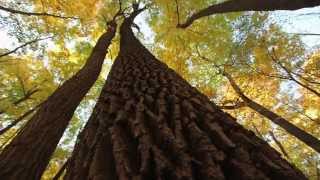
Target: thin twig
278, 143
177, 11
306, 34
23, 45
4, 130
61, 170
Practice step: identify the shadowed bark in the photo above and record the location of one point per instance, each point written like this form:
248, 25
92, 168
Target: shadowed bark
149, 123
295, 131
249, 5
27, 156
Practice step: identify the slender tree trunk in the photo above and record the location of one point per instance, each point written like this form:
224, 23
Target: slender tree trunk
249, 5
27, 156
149, 123
295, 131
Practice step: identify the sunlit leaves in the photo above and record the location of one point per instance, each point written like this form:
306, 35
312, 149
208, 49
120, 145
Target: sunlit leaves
247, 45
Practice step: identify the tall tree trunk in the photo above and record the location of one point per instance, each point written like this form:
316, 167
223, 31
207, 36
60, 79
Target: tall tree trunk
149, 123
27, 156
295, 131
249, 5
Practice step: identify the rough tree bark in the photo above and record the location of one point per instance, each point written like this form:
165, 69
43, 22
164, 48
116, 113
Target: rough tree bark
295, 131
149, 123
249, 5
27, 156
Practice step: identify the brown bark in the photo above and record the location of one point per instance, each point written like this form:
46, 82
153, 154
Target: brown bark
27, 156
249, 5
236, 105
149, 123
295, 131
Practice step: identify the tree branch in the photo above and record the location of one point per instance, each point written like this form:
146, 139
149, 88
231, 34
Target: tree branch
292, 129
236, 105
27, 96
278, 143
23, 45
306, 34
249, 5
177, 11
288, 72
257, 130
14, 11
4, 130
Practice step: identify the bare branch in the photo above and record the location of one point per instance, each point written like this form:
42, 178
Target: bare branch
309, 14
278, 143
302, 113
23, 45
306, 34
274, 58
14, 11
26, 96
26, 114
257, 130
236, 105
177, 11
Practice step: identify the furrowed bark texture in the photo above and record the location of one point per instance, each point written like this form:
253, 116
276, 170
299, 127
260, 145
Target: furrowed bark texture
149, 123
249, 5
27, 156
